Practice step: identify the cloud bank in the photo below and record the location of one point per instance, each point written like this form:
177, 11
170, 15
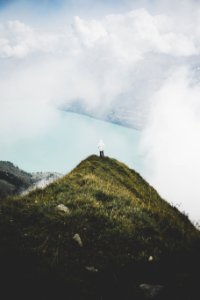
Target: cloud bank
171, 141
138, 68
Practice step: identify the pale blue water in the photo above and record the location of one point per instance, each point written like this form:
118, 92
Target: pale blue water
71, 140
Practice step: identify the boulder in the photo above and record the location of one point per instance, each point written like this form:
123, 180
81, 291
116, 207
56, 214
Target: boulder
150, 258
78, 240
150, 291
92, 269
63, 208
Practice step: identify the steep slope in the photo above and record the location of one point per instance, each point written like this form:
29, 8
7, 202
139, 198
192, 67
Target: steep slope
114, 233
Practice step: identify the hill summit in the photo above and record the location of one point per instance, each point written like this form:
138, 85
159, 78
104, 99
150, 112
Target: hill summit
100, 232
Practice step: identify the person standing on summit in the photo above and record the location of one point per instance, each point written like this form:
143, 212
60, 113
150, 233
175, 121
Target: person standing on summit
101, 147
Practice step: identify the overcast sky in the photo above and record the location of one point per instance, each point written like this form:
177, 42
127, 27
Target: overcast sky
139, 59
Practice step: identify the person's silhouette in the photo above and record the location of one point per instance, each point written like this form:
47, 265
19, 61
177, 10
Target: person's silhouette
101, 147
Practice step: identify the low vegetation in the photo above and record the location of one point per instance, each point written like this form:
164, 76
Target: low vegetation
127, 235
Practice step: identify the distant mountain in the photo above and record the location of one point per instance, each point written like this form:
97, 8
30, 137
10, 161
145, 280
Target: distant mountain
42, 179
100, 232
14, 181
118, 114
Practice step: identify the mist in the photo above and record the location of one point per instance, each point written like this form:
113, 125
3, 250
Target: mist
171, 142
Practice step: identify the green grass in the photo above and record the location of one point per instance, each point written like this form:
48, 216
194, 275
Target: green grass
120, 218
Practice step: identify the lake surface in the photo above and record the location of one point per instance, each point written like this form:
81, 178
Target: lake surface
72, 139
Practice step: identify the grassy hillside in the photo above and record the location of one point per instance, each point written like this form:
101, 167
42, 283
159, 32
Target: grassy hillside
127, 235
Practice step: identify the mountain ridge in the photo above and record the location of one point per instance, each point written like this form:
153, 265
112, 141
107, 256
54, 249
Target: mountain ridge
100, 231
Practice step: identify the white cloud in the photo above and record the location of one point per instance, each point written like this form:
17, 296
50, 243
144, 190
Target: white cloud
19, 40
171, 141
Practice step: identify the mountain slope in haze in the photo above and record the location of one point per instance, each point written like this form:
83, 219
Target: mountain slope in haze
115, 234
14, 180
